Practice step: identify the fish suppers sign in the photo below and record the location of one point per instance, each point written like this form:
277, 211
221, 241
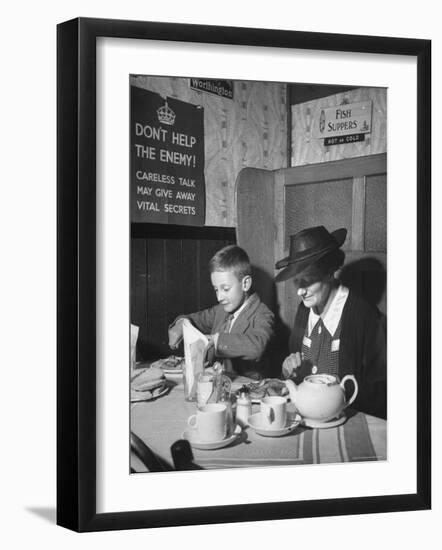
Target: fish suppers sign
345, 123
167, 160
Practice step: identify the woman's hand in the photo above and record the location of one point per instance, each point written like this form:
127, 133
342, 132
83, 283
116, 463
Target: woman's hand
290, 364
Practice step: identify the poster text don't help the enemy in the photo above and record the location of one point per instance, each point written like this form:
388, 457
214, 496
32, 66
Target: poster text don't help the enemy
167, 160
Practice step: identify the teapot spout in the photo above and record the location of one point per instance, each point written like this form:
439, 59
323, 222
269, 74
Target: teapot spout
293, 390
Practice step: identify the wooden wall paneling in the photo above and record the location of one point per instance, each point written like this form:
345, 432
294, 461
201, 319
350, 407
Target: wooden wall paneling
325, 202
358, 214
138, 288
285, 295
338, 169
376, 213
206, 294
257, 233
157, 321
189, 299
169, 277
280, 249
175, 271
285, 300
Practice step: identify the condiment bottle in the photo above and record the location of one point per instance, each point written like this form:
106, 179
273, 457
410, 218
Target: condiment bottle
218, 369
243, 407
225, 399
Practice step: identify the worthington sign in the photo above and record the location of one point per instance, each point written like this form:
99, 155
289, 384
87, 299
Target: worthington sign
223, 88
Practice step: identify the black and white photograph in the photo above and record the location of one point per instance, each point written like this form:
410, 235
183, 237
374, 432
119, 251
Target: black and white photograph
253, 310
258, 273
220, 287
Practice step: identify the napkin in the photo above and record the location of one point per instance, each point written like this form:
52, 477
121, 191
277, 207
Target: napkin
134, 330
195, 346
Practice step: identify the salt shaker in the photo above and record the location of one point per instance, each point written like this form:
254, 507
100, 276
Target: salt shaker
243, 407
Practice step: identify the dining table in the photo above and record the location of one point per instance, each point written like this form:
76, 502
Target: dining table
160, 422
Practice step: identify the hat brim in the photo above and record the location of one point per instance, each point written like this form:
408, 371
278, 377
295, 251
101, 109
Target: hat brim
293, 268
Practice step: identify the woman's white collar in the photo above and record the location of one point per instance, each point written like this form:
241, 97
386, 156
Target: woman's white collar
332, 314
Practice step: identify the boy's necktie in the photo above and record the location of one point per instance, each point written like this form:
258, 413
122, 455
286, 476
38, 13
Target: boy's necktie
228, 323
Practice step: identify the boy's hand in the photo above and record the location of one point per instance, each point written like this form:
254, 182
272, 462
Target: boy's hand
209, 354
212, 340
175, 334
290, 364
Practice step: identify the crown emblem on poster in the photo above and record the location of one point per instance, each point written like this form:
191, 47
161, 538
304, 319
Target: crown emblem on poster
166, 115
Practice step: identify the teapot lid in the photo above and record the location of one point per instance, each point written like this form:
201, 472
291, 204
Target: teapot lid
325, 379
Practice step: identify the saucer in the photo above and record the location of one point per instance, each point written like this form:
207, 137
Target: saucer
310, 423
191, 436
255, 424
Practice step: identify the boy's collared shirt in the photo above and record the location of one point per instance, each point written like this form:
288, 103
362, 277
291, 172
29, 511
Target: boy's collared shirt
231, 319
237, 313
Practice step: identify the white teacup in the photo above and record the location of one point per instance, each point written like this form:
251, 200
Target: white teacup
210, 422
274, 412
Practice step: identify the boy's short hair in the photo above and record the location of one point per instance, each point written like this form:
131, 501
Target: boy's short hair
231, 258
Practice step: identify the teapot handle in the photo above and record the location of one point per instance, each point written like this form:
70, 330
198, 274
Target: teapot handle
355, 393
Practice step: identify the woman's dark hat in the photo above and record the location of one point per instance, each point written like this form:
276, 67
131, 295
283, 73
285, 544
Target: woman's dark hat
306, 247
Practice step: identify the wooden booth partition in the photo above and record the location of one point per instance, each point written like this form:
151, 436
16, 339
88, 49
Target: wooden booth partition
169, 277
256, 229
351, 193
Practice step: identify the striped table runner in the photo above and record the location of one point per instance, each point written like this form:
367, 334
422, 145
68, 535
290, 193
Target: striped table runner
159, 423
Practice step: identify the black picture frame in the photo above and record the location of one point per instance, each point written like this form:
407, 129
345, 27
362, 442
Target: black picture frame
76, 273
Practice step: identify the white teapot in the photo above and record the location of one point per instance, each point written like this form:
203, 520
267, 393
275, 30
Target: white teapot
321, 397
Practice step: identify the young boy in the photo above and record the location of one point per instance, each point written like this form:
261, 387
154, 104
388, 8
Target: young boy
240, 327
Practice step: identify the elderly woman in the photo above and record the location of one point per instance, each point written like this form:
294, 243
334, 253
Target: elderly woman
335, 330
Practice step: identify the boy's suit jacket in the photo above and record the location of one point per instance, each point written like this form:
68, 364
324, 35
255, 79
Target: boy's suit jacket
245, 348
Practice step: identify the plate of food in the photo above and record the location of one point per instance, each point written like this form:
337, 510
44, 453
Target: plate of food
148, 384
170, 365
263, 388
